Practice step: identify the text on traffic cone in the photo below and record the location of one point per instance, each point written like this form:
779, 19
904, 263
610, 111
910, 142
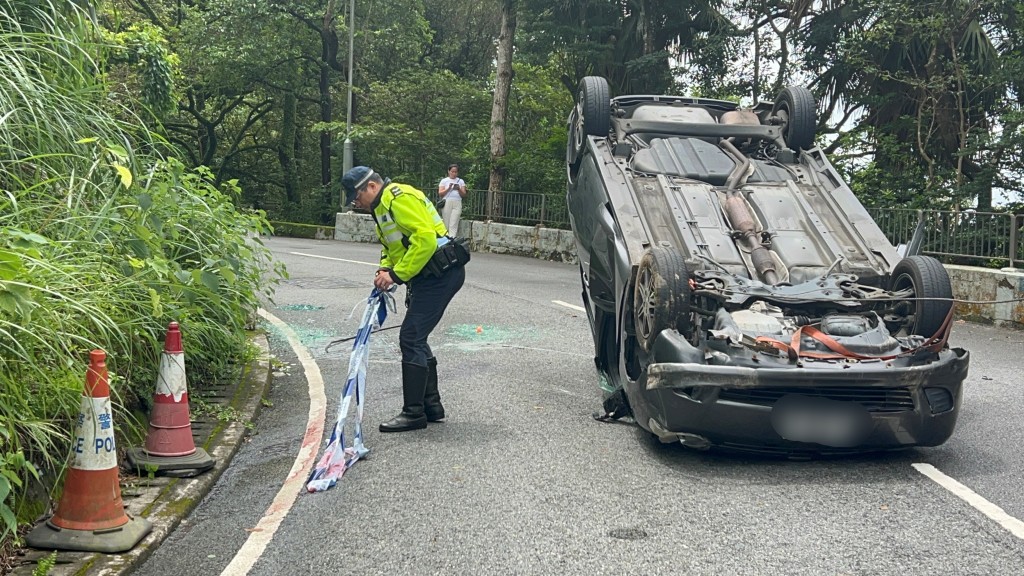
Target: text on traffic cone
92, 495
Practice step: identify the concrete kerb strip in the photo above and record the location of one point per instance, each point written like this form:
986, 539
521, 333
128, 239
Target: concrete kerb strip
166, 505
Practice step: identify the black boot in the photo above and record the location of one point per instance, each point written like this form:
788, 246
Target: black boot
432, 399
414, 383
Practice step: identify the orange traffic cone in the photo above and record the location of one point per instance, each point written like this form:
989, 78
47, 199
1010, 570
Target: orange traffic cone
169, 443
90, 515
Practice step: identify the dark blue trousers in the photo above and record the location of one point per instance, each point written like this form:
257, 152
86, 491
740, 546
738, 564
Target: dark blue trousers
428, 298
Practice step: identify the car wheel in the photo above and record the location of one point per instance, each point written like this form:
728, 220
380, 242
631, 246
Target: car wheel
796, 110
927, 278
590, 117
594, 106
661, 298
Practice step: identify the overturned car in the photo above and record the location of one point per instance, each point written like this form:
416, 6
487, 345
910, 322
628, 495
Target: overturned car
738, 293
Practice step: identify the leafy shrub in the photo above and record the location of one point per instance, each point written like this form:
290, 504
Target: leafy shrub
103, 242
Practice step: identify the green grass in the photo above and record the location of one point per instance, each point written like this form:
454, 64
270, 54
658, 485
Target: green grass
105, 238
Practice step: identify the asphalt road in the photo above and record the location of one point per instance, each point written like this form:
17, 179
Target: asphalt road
521, 479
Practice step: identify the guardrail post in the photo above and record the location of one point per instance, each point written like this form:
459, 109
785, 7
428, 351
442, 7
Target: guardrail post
924, 232
1013, 239
543, 205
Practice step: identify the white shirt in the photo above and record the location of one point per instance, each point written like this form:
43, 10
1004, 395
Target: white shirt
451, 192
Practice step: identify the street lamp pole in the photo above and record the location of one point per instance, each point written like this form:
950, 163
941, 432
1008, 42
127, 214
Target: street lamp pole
347, 150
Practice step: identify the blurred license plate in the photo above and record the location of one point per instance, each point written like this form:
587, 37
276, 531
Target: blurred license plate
821, 421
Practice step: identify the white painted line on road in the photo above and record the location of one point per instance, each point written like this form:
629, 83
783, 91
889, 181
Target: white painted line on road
567, 305
1011, 524
335, 259
263, 533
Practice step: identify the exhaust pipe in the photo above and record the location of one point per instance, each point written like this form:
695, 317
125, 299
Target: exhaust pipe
743, 221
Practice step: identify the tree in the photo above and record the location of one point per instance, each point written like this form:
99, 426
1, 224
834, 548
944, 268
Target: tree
925, 84
535, 138
462, 38
322, 22
629, 42
410, 130
499, 107
227, 88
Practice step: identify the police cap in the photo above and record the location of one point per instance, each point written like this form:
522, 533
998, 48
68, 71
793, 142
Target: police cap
355, 179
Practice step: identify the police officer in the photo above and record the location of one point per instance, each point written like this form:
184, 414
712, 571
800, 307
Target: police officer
410, 229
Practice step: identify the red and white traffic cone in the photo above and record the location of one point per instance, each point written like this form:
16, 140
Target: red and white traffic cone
169, 443
90, 515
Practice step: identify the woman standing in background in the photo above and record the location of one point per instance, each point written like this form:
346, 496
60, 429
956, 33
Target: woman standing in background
452, 190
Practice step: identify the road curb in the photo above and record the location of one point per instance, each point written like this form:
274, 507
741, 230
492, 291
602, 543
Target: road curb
166, 501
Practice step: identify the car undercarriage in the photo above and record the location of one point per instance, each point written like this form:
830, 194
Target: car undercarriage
739, 294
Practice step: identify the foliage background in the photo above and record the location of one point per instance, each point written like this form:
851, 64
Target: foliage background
105, 238
920, 103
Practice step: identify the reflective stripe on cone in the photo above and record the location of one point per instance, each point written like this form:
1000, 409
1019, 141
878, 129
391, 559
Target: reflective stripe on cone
170, 425
90, 516
170, 447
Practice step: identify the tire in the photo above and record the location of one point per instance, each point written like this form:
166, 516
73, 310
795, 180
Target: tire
661, 297
595, 106
590, 117
928, 279
796, 110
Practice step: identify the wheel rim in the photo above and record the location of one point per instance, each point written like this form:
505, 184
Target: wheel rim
578, 131
906, 307
645, 309
783, 114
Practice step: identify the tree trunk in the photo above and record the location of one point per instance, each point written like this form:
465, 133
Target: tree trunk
985, 197
286, 149
326, 116
207, 136
499, 109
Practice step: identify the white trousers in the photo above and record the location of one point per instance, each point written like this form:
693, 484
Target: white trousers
450, 214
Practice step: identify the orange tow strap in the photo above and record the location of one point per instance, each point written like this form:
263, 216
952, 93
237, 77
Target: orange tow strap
792, 349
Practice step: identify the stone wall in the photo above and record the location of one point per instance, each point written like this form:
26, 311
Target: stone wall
984, 284
531, 241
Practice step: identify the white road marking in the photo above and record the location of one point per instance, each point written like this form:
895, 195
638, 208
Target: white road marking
567, 305
1011, 524
335, 259
263, 533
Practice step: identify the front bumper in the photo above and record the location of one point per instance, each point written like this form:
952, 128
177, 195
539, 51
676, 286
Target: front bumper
902, 404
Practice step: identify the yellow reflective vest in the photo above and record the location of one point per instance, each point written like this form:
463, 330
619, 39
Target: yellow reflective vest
408, 226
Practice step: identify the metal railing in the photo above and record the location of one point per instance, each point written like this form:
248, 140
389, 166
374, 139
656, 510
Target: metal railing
955, 237
958, 236
524, 208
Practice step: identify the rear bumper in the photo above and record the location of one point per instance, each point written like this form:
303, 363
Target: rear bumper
732, 406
